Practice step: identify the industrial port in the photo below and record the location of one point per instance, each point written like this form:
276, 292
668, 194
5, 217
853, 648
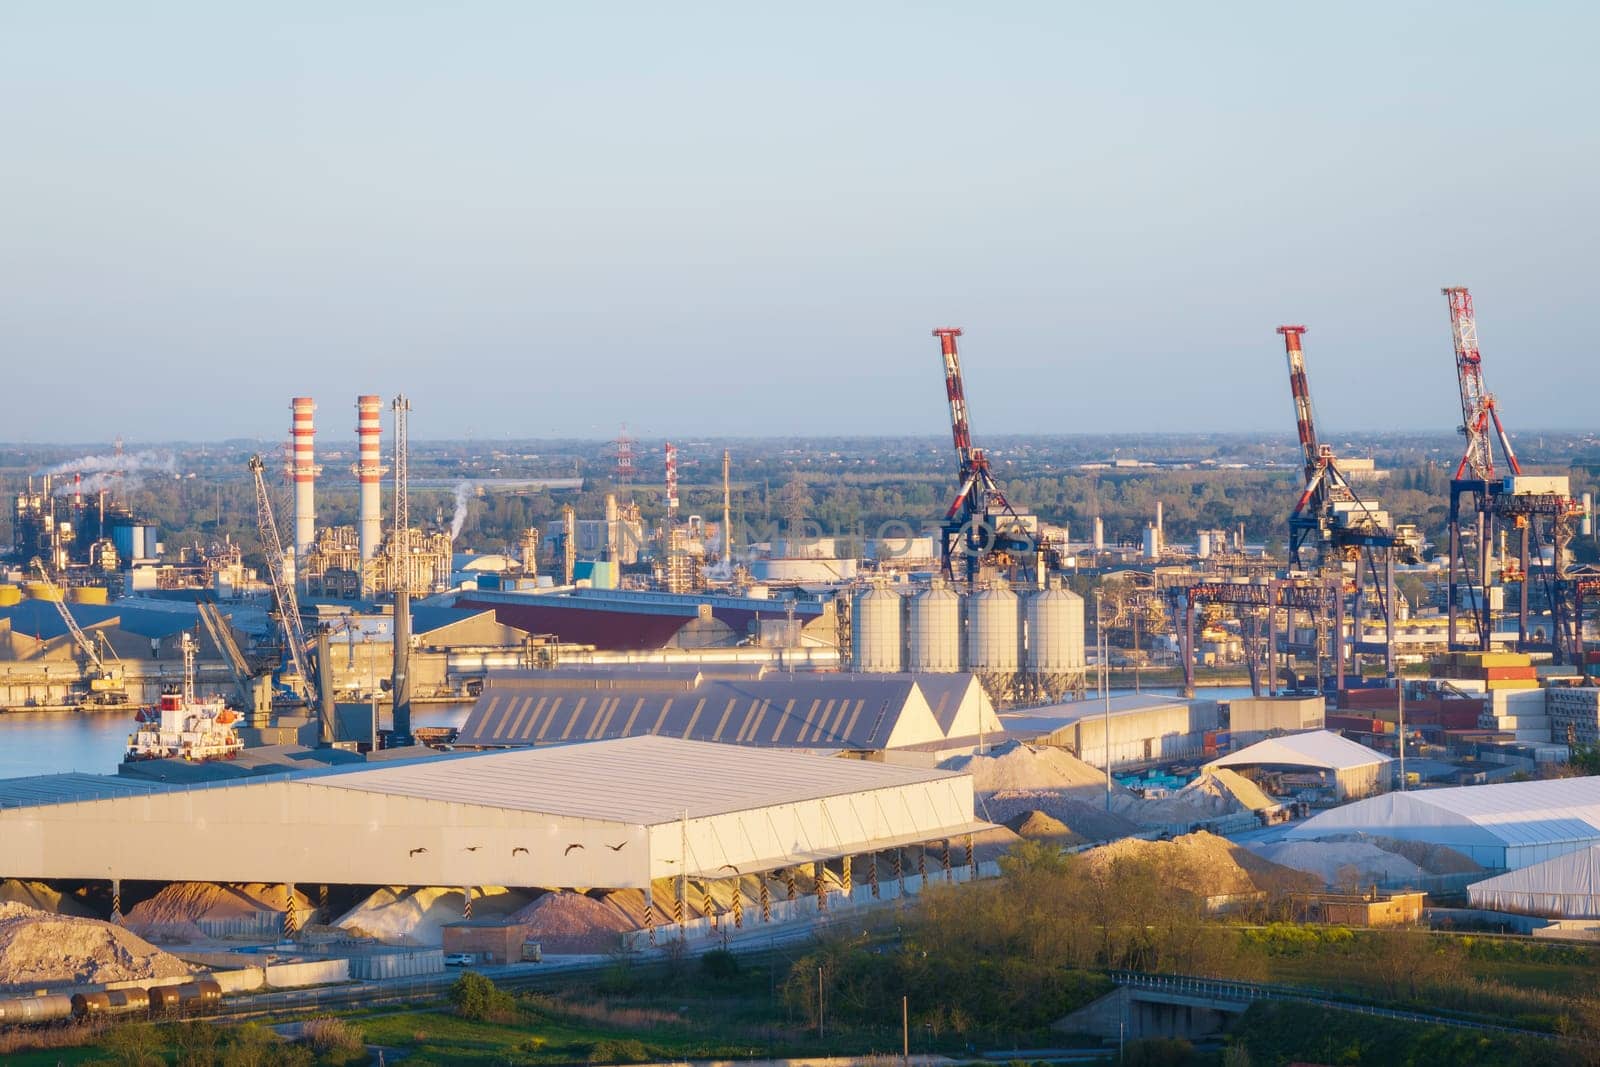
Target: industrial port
925, 535
679, 731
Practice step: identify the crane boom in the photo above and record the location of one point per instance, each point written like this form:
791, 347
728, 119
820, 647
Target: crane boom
294, 628
1478, 408
78, 636
1305, 417
959, 428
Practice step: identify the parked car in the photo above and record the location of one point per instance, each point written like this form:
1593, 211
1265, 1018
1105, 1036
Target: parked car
458, 959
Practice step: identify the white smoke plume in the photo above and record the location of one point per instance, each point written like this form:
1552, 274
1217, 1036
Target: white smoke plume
457, 521
100, 472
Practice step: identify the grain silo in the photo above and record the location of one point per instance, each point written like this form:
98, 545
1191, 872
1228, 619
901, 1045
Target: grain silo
1052, 632
934, 630
993, 641
875, 630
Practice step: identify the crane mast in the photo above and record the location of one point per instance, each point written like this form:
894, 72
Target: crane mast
1305, 417
294, 629
1478, 408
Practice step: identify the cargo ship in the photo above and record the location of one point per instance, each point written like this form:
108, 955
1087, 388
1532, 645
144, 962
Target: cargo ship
184, 727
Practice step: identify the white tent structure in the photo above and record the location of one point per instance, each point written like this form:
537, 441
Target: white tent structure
1503, 827
1356, 770
1567, 887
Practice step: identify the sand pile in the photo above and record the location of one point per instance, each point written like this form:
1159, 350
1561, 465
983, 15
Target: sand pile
1089, 821
1232, 787
1432, 858
1341, 863
1037, 826
1016, 767
42, 897
1206, 864
574, 923
40, 949
174, 912
417, 916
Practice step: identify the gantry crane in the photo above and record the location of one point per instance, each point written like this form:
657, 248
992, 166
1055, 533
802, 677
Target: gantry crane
104, 679
980, 520
1539, 509
294, 627
1349, 531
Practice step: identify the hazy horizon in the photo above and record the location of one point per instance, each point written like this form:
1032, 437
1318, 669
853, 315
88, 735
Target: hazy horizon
713, 220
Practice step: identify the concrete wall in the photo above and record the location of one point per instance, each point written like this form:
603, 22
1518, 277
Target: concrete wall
1267, 714
374, 966
313, 972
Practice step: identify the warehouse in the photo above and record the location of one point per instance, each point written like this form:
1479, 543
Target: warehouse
1144, 729
1506, 826
939, 714
612, 814
1566, 887
1348, 770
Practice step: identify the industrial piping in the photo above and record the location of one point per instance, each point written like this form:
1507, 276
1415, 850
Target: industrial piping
304, 471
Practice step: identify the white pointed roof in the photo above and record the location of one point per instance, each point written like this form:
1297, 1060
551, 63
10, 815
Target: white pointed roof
1315, 748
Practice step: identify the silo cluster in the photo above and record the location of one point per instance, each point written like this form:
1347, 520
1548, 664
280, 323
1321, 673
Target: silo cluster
1025, 648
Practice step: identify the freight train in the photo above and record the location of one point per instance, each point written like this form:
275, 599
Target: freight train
161, 1001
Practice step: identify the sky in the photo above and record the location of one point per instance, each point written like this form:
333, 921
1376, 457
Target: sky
542, 219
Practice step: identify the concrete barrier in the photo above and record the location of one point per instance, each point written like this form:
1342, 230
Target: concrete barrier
371, 966
314, 972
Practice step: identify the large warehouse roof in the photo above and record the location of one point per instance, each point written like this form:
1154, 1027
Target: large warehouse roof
816, 711
1317, 748
1511, 824
612, 814
648, 780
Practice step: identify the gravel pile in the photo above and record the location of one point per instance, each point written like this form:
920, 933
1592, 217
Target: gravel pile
173, 914
39, 949
566, 922
403, 916
1207, 865
1090, 822
1014, 766
1341, 864
1433, 859
42, 897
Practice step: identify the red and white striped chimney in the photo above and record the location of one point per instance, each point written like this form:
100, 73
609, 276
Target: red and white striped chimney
369, 436
304, 470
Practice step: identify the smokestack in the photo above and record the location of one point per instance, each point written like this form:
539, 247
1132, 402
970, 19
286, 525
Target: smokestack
1161, 529
303, 468
1587, 528
611, 527
77, 491
368, 471
400, 682
325, 706
727, 518
1099, 535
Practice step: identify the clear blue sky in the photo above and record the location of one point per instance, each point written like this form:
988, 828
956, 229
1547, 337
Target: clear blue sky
549, 219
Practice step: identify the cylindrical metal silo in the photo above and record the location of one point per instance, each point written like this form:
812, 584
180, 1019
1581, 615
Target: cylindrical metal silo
992, 635
1054, 630
875, 630
934, 630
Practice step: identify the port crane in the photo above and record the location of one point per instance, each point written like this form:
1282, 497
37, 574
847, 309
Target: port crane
1347, 529
104, 678
1540, 510
294, 628
980, 523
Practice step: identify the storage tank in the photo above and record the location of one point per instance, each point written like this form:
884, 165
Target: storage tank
42, 590
87, 594
1053, 621
933, 641
992, 632
875, 632
9, 595
1202, 546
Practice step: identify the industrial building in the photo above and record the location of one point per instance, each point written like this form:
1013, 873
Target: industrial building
1347, 770
937, 715
625, 813
617, 620
1143, 729
1564, 887
1251, 718
1506, 826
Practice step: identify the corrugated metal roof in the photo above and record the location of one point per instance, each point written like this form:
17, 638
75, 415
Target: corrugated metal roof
782, 710
33, 617
647, 780
71, 788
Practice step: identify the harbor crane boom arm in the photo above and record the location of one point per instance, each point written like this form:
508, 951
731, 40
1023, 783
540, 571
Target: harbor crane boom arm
1305, 417
294, 628
1478, 408
80, 638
